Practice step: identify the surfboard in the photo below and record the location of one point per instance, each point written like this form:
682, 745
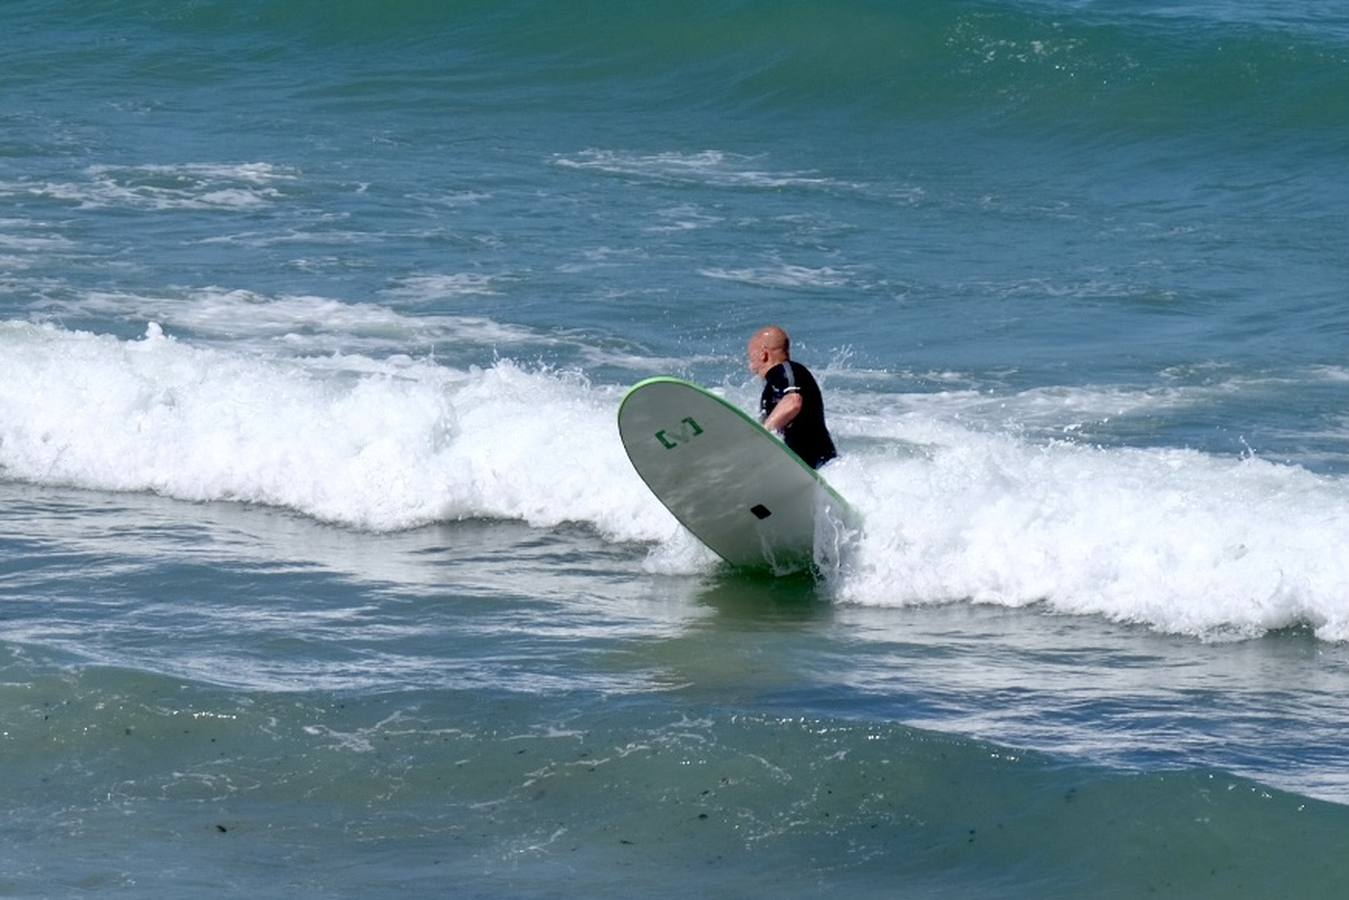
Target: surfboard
729, 481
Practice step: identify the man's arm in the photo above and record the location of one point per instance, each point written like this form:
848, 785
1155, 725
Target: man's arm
788, 408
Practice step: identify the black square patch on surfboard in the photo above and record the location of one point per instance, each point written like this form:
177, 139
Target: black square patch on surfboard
760, 511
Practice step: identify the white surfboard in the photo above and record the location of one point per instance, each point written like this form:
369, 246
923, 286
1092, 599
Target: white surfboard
729, 481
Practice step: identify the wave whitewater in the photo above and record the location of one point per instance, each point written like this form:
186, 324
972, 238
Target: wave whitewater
1178, 540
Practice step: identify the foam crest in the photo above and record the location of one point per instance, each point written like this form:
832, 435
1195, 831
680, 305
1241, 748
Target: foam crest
1174, 539
345, 334
311, 325
390, 448
301, 323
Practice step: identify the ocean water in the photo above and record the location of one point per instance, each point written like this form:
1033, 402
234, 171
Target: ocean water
322, 569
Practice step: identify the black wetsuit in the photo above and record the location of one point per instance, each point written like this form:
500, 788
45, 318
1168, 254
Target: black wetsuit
806, 434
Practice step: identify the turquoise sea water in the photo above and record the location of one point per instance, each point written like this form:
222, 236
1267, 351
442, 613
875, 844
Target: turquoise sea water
322, 571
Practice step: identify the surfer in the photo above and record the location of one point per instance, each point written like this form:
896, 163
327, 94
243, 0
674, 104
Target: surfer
791, 405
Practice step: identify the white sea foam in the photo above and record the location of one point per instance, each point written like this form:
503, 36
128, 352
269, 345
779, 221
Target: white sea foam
257, 239
35, 244
685, 217
782, 275
252, 173
712, 167
1058, 409
24, 243
1083, 289
719, 169
452, 199
188, 186
1176, 540
440, 286
1334, 374
378, 451
603, 258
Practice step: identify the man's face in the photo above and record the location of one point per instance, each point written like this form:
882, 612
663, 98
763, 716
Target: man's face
758, 356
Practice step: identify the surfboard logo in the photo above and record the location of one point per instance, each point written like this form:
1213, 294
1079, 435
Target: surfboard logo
688, 430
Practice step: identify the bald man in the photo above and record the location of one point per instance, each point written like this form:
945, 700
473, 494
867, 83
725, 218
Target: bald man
790, 405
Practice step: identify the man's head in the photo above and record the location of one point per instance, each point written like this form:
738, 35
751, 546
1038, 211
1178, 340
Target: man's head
768, 347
